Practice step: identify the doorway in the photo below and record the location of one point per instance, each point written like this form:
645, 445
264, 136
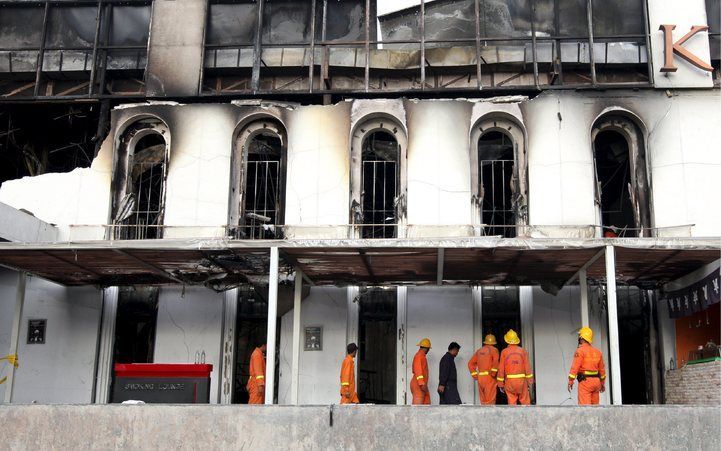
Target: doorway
634, 325
500, 311
377, 347
251, 328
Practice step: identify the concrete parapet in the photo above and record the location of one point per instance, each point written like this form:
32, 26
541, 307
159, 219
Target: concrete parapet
358, 427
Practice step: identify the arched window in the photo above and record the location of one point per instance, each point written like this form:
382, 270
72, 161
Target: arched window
622, 187
499, 175
257, 196
140, 177
377, 179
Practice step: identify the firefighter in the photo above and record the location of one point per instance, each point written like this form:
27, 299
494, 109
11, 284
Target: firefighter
348, 394
256, 381
419, 382
588, 368
514, 371
484, 368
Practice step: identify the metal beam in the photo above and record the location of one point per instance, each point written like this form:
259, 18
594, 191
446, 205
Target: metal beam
583, 281
295, 366
612, 307
272, 320
367, 264
585, 266
439, 267
154, 269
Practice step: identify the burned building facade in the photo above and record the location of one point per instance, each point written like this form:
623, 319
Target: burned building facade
439, 169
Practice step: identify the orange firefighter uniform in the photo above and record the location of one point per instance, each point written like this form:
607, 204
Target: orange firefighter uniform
348, 394
589, 369
484, 368
514, 371
419, 382
256, 381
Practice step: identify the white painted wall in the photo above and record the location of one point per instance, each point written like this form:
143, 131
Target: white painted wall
190, 323
318, 182
443, 315
439, 176
556, 321
61, 370
319, 381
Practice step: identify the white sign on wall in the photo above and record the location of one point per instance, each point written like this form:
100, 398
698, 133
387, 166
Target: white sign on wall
672, 26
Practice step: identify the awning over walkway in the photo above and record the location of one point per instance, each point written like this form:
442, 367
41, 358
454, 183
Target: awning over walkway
487, 260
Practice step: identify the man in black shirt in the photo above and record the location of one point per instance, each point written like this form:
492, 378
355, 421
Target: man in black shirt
447, 378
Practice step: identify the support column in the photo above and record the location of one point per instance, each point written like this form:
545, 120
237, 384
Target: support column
295, 366
401, 346
478, 332
615, 360
227, 354
525, 296
106, 343
583, 282
272, 319
15, 337
352, 316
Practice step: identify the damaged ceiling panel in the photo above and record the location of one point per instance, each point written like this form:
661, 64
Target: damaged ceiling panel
220, 264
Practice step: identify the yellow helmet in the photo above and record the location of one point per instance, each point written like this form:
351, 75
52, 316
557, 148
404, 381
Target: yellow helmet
425, 343
489, 340
586, 333
511, 337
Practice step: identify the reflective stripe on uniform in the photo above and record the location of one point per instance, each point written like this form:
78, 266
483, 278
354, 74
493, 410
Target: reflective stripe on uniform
345, 383
483, 373
591, 373
571, 376
515, 376
494, 369
500, 379
260, 377
603, 377
528, 376
474, 373
420, 377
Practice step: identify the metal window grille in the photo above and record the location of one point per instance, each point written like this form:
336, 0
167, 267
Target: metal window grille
378, 199
263, 189
498, 212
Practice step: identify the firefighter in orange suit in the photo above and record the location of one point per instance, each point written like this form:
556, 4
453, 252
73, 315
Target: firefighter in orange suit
348, 394
588, 368
484, 368
514, 371
419, 382
256, 381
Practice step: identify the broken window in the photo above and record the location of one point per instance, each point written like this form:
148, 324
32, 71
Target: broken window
500, 176
622, 188
141, 175
258, 181
378, 149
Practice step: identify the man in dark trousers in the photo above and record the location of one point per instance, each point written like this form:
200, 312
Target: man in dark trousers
447, 378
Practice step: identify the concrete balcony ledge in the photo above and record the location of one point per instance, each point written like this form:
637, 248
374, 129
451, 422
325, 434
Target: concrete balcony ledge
358, 427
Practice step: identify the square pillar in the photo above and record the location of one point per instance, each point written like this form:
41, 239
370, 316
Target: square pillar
295, 365
272, 320
612, 307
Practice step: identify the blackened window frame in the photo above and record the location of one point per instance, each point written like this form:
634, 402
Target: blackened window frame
101, 49
318, 76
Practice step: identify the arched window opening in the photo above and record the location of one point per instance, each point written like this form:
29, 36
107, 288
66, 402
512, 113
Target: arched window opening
622, 188
380, 172
495, 170
142, 167
258, 194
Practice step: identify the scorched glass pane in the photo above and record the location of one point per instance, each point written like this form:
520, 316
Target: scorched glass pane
130, 25
232, 23
617, 17
287, 22
20, 27
345, 20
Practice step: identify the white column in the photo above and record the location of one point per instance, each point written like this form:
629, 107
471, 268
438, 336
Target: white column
478, 332
272, 319
106, 343
352, 315
615, 360
227, 354
402, 346
525, 294
15, 337
295, 366
583, 281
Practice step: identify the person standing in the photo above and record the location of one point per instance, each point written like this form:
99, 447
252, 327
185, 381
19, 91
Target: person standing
419, 382
514, 371
588, 368
256, 381
484, 368
348, 393
448, 377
